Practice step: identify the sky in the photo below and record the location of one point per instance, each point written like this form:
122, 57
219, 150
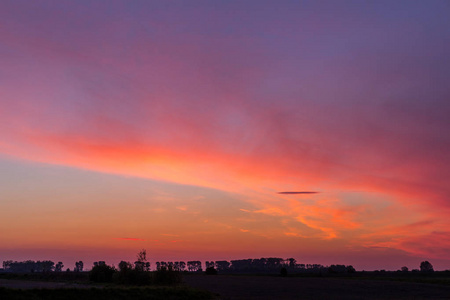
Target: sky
179, 126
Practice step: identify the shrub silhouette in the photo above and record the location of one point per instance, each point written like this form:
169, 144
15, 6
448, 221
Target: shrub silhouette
101, 272
426, 266
78, 266
129, 275
167, 276
210, 271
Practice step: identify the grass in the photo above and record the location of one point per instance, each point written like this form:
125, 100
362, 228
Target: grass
135, 293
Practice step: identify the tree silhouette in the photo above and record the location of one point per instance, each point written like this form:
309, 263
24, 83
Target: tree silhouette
142, 255
142, 263
292, 263
426, 266
29, 266
194, 266
350, 269
59, 266
222, 265
101, 272
179, 266
124, 266
78, 266
210, 271
209, 264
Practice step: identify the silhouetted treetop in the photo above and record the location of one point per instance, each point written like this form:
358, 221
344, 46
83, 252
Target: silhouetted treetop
426, 266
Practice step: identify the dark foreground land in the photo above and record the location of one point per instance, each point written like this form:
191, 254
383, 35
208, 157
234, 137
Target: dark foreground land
29, 284
196, 286
55, 292
268, 287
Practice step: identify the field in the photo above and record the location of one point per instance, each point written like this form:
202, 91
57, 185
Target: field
29, 292
199, 286
268, 287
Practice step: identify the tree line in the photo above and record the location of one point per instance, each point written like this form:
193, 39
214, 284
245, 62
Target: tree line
137, 274
259, 265
31, 266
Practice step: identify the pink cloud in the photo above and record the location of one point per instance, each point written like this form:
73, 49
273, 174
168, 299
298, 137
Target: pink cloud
241, 113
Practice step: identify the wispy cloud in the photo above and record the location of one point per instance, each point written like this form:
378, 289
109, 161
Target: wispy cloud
130, 239
298, 193
228, 107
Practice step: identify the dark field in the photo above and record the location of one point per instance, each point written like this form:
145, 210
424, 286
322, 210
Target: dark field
107, 293
238, 287
28, 284
267, 287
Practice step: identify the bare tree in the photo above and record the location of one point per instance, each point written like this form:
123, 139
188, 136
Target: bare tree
142, 263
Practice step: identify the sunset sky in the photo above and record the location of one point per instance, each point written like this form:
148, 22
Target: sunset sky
176, 126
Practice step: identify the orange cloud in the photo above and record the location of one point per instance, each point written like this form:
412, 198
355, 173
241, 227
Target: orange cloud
239, 119
130, 239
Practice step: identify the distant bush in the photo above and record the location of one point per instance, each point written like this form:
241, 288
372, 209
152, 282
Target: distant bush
283, 272
426, 267
132, 277
167, 277
351, 269
102, 273
341, 269
210, 271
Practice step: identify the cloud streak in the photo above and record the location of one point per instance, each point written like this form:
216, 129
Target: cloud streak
298, 193
131, 239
